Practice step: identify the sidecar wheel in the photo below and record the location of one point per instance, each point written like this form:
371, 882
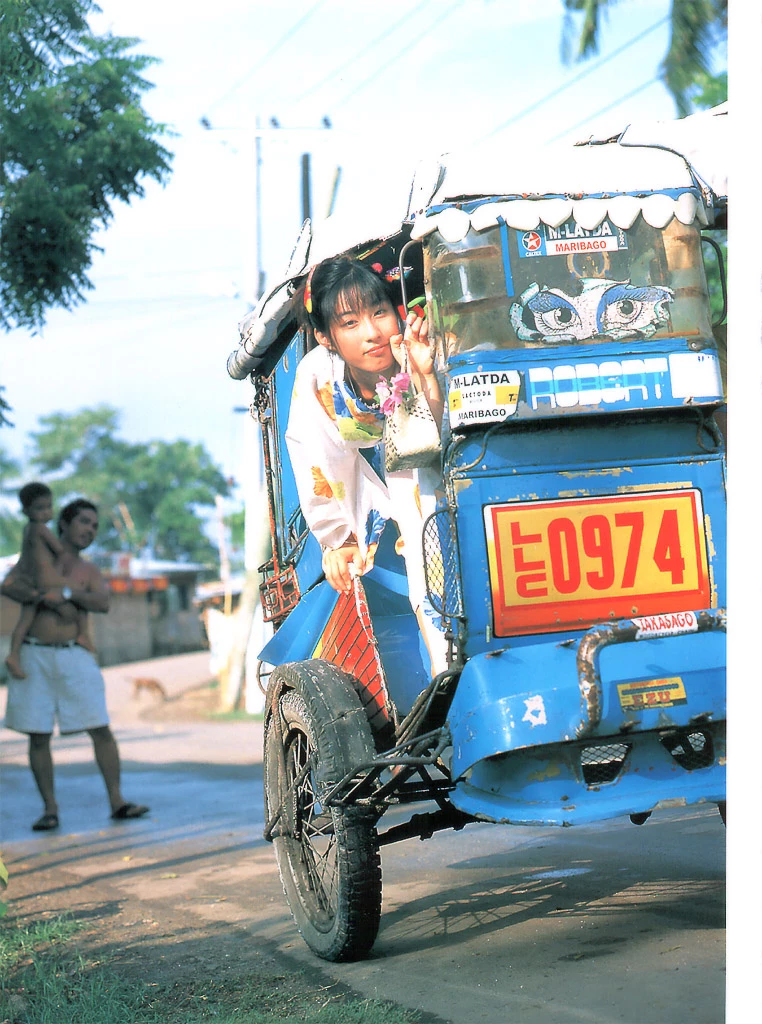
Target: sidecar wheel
328, 858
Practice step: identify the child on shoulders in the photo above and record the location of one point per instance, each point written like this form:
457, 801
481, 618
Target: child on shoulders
40, 550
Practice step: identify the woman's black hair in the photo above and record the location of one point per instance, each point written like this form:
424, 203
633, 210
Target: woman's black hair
332, 279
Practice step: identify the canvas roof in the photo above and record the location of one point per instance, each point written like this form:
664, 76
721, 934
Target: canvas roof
642, 157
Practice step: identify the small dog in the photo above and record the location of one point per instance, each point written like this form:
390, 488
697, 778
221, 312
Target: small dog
148, 686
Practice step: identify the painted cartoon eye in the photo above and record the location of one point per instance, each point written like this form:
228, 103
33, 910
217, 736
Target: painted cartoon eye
621, 313
554, 314
630, 308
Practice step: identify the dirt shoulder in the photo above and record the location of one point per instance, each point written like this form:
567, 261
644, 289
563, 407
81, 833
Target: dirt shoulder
190, 892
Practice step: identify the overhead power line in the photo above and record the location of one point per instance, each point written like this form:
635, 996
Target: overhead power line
605, 110
573, 81
398, 54
270, 53
355, 57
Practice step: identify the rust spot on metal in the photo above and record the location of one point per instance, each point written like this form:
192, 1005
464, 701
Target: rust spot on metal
587, 473
708, 534
550, 772
676, 485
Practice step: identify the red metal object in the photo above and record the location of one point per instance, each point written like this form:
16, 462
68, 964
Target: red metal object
279, 592
348, 642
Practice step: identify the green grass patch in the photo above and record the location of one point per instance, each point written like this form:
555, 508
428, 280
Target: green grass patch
45, 979
237, 716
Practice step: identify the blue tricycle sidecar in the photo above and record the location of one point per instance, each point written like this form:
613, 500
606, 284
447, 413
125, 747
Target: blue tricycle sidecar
577, 552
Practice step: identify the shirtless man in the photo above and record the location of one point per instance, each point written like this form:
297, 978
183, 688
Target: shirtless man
63, 680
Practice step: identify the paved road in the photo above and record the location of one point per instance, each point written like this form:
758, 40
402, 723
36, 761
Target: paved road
598, 924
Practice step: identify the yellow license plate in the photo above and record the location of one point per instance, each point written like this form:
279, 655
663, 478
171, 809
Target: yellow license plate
563, 564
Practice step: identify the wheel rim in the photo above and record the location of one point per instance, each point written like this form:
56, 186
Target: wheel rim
313, 848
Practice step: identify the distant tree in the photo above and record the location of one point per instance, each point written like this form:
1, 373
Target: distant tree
149, 494
74, 139
11, 523
710, 91
697, 27
5, 408
236, 523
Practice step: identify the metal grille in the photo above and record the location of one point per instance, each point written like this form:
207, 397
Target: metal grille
691, 750
603, 763
279, 592
441, 564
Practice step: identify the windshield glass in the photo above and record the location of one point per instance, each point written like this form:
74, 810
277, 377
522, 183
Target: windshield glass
548, 287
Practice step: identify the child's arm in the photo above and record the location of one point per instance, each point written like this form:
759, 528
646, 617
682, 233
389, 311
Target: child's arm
50, 540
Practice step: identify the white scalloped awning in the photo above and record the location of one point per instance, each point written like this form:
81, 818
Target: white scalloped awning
526, 214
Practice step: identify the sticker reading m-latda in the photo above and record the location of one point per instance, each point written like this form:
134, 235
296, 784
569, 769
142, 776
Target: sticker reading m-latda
483, 397
570, 238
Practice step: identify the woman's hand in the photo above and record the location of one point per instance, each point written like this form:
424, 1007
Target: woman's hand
341, 565
416, 341
420, 361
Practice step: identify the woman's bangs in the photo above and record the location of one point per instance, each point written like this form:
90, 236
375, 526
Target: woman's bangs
358, 294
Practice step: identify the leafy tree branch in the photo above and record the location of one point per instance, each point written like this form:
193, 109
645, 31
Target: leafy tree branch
150, 495
75, 140
697, 28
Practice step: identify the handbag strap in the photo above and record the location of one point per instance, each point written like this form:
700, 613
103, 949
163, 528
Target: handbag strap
404, 362
405, 368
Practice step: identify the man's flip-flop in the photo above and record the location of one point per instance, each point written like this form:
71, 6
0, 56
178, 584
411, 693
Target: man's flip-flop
45, 823
128, 811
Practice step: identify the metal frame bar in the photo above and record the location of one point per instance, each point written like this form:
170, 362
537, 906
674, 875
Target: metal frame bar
624, 631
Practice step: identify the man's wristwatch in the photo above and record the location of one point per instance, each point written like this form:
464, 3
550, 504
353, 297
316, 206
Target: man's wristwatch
66, 593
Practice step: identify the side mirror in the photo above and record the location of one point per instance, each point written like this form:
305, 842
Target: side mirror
719, 253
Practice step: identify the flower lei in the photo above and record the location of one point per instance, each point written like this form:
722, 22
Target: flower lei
394, 392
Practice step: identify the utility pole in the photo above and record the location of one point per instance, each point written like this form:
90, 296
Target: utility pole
306, 188
258, 134
251, 631
258, 207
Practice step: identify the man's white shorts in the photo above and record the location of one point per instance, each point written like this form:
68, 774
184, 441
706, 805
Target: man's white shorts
62, 684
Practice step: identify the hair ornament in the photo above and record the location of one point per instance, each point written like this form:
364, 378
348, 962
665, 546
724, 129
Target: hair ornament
392, 274
308, 291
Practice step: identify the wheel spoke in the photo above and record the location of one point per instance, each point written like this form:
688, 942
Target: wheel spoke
315, 829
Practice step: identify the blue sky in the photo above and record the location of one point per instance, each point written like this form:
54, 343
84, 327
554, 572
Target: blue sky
178, 266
